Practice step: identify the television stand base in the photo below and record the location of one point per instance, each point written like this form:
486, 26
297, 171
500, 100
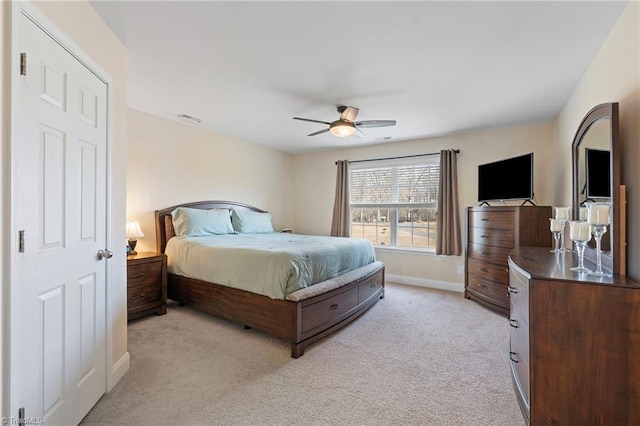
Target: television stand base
528, 201
483, 203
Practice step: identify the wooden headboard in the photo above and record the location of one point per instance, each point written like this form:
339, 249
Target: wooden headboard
161, 232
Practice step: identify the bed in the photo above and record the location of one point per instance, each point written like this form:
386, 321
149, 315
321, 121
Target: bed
303, 316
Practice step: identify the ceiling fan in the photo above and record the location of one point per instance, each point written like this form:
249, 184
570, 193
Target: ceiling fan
346, 124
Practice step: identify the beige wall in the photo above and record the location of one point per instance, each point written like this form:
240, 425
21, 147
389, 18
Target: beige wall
171, 162
5, 48
314, 177
614, 76
80, 22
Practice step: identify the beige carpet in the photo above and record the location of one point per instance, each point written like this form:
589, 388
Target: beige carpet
418, 357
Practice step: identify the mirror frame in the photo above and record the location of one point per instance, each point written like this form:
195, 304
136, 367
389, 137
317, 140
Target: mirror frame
613, 260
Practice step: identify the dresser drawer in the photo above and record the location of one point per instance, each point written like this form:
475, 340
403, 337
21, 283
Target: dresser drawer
518, 292
370, 287
488, 272
143, 297
492, 237
519, 334
492, 220
520, 372
495, 291
144, 273
483, 252
329, 311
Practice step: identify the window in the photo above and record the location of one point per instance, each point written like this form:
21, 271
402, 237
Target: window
394, 203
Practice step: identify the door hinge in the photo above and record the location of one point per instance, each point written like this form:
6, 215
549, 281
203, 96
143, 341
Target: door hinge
23, 63
21, 416
21, 241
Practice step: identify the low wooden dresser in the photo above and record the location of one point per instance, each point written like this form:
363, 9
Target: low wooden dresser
146, 284
575, 342
491, 233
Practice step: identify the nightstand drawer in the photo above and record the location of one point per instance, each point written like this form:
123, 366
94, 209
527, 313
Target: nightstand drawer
144, 295
144, 273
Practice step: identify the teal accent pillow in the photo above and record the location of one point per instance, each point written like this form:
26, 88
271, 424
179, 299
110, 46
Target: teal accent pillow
197, 222
248, 222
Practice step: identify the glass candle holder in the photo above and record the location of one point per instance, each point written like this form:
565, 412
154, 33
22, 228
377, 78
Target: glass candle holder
580, 233
556, 226
599, 216
563, 214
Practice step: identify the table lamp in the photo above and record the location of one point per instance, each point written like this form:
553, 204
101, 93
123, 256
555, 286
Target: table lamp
133, 233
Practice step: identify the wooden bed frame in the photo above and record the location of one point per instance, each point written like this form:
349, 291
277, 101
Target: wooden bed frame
300, 322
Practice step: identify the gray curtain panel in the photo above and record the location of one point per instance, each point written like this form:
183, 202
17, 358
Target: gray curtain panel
448, 241
340, 223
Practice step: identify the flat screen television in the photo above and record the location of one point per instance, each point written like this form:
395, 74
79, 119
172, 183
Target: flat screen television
598, 173
510, 179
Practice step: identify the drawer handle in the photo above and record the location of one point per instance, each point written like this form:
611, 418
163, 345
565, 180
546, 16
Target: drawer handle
373, 285
513, 290
140, 275
511, 354
484, 236
486, 253
334, 307
484, 219
483, 270
137, 297
483, 286
513, 323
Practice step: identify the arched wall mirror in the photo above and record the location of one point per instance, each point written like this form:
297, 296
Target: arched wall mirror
596, 177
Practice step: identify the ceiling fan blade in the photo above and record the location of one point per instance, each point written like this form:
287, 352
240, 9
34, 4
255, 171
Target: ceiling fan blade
375, 123
318, 132
311, 121
349, 114
359, 134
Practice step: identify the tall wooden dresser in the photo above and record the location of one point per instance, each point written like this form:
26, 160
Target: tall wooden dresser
575, 342
491, 233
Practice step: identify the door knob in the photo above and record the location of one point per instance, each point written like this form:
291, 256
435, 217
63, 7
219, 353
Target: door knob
104, 254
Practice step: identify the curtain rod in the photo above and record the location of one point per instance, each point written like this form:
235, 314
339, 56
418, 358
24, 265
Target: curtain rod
457, 151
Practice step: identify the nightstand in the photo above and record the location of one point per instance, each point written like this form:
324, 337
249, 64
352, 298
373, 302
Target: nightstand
146, 284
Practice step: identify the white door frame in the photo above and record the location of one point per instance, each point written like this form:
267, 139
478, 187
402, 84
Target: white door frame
10, 242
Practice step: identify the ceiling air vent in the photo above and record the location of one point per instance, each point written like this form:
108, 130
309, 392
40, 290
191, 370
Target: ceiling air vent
190, 120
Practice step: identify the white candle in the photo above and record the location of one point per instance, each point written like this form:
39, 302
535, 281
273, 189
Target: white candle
562, 213
579, 231
556, 225
583, 213
599, 214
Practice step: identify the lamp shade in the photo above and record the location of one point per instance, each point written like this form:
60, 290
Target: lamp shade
342, 128
133, 230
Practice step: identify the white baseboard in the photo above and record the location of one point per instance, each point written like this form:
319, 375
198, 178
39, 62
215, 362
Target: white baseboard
118, 371
421, 282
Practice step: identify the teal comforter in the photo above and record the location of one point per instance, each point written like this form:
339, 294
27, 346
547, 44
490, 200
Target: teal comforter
273, 265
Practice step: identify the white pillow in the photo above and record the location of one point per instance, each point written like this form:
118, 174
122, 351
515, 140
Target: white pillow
189, 222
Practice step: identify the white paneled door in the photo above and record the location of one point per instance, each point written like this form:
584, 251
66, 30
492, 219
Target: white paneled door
58, 341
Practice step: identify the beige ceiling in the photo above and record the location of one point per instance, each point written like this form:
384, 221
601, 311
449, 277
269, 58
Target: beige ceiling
247, 68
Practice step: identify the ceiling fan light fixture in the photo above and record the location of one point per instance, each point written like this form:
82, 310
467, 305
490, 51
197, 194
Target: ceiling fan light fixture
342, 129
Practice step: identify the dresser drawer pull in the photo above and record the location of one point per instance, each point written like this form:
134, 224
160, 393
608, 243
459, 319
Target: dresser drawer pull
140, 296
484, 236
334, 307
513, 323
483, 286
373, 285
483, 270
513, 290
511, 354
486, 253
140, 275
484, 219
